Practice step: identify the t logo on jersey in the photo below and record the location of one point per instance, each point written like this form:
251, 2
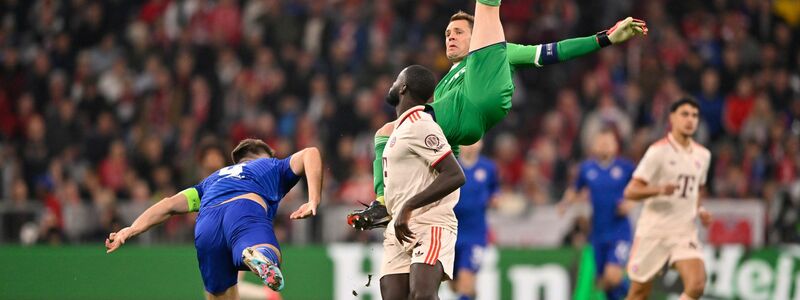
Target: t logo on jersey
685, 184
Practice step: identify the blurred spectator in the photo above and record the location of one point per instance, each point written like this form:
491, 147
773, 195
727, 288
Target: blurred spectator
739, 105
19, 212
111, 103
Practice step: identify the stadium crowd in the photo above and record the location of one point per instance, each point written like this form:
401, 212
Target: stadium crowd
108, 106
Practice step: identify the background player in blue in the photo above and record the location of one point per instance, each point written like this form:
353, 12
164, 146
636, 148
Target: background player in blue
605, 177
236, 206
476, 193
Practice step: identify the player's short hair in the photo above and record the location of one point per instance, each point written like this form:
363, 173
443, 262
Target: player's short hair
250, 146
685, 100
462, 15
420, 82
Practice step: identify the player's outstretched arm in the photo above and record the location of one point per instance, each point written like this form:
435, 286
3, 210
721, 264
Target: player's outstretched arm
308, 162
553, 53
450, 178
156, 214
638, 190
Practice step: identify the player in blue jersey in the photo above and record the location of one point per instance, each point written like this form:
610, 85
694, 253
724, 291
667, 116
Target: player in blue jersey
605, 178
470, 211
236, 206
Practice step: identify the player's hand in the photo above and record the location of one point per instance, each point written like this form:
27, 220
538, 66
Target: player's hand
626, 29
668, 189
705, 216
625, 207
116, 239
562, 207
401, 230
306, 210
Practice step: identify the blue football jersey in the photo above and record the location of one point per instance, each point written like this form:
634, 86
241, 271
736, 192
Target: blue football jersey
606, 186
470, 211
270, 178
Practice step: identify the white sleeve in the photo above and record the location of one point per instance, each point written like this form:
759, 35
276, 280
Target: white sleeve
648, 166
428, 141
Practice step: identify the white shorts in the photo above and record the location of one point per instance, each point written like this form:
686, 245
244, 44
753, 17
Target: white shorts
650, 254
431, 244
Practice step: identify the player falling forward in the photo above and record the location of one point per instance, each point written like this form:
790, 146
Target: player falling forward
236, 207
605, 177
422, 178
476, 93
668, 179
476, 193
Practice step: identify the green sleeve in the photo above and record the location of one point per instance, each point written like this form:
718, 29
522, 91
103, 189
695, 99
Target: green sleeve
577, 47
521, 55
193, 199
538, 55
377, 165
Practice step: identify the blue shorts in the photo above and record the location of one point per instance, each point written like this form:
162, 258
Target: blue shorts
220, 235
613, 252
468, 257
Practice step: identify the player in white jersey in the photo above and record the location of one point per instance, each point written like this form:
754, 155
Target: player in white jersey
668, 180
422, 178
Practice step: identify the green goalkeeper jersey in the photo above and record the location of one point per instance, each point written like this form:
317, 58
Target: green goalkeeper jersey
476, 93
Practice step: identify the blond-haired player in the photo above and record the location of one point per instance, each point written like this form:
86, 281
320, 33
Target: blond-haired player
668, 180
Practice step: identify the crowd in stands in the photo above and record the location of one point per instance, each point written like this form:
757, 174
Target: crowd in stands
108, 106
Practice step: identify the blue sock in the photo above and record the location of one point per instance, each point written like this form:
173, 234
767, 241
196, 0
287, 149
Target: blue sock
270, 254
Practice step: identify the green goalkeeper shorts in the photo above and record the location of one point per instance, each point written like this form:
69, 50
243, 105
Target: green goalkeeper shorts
474, 96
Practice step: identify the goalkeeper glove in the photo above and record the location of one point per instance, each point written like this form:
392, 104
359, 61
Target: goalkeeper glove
623, 31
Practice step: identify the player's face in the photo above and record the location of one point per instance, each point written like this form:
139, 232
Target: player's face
605, 145
456, 40
393, 97
684, 120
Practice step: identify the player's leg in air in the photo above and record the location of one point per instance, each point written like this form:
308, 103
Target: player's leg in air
236, 236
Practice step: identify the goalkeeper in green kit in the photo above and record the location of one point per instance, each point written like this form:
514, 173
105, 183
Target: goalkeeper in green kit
476, 93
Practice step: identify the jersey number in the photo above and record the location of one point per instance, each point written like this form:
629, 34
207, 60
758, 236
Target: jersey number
685, 183
385, 164
232, 171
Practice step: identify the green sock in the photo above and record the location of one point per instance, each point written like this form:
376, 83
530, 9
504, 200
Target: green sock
377, 166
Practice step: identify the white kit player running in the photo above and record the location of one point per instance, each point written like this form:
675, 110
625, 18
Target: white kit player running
668, 180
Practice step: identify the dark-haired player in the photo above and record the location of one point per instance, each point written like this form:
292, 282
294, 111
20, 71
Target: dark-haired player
236, 206
668, 180
422, 179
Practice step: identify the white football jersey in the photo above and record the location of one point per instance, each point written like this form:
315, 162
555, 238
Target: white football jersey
413, 150
667, 162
